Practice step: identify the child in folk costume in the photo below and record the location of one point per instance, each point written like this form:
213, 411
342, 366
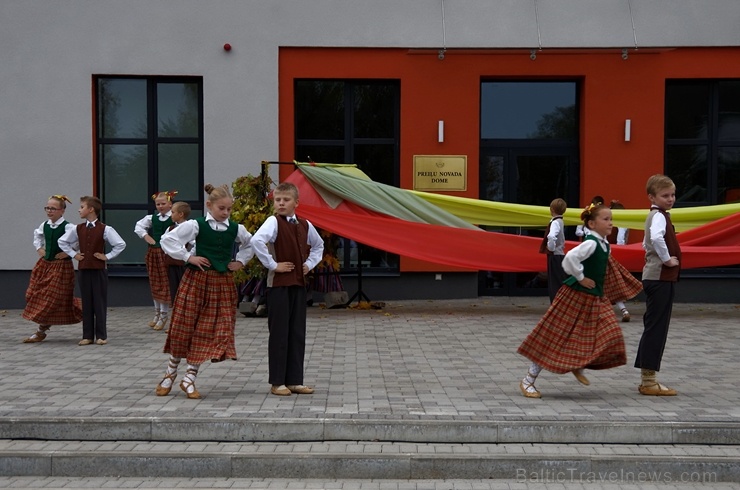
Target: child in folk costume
579, 330
151, 228
621, 284
582, 230
659, 276
86, 243
50, 295
553, 244
204, 313
289, 247
176, 268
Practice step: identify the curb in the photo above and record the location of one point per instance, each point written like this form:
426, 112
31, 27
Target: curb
543, 467
321, 429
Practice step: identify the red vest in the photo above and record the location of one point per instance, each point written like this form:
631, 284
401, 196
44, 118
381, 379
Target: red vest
91, 241
291, 245
674, 249
543, 243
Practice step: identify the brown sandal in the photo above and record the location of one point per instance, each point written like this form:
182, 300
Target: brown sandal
186, 383
626, 315
155, 319
578, 373
36, 337
161, 390
656, 389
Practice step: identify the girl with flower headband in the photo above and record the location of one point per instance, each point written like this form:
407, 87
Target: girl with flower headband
579, 330
582, 230
151, 228
50, 295
620, 285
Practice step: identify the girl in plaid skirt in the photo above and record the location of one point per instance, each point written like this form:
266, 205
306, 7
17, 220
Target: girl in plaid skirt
620, 285
579, 330
50, 295
151, 228
204, 313
626, 282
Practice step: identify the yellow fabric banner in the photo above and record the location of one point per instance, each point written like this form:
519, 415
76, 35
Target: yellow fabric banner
334, 180
507, 214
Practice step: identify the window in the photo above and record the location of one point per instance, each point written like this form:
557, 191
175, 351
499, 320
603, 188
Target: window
149, 138
702, 134
355, 121
519, 110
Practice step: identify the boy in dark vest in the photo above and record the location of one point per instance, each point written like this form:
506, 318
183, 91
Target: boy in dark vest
86, 243
659, 276
553, 244
289, 247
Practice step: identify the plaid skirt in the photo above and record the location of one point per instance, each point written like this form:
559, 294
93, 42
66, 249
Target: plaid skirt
157, 270
203, 318
619, 283
50, 295
579, 330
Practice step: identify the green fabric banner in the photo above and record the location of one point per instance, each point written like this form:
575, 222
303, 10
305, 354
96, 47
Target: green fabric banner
335, 182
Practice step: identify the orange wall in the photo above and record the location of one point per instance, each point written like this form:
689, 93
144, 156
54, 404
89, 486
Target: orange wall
612, 90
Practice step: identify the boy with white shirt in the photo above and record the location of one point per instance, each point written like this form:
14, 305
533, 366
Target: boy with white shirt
289, 247
659, 277
86, 244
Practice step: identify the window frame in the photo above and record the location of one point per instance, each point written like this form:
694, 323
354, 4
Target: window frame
711, 141
349, 143
152, 141
713, 145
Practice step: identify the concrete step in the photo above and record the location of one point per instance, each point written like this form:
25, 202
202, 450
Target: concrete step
153, 429
623, 463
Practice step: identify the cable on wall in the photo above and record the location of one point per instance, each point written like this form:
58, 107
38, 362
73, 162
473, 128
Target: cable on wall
537, 22
632, 18
442, 51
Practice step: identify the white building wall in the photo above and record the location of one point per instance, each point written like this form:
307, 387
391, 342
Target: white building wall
50, 49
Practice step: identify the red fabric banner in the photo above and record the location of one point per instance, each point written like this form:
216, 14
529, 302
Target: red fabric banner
711, 245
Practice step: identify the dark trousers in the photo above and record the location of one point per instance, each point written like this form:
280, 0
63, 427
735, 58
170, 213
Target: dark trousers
555, 274
657, 317
286, 320
174, 276
94, 294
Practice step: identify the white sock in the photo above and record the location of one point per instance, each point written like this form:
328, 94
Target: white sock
156, 311
163, 317
532, 373
171, 369
189, 378
649, 377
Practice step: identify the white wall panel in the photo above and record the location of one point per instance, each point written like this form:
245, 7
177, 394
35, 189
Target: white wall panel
50, 49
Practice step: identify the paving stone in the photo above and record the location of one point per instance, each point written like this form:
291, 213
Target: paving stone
417, 372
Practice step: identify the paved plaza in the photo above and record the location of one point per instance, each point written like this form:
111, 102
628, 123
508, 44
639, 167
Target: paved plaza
452, 360
412, 378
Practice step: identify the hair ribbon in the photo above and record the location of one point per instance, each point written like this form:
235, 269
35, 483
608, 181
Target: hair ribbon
168, 194
60, 197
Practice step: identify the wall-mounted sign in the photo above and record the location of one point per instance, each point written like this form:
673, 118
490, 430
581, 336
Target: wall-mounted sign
440, 172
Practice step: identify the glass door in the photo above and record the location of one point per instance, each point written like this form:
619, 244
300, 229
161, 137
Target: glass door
528, 155
525, 176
